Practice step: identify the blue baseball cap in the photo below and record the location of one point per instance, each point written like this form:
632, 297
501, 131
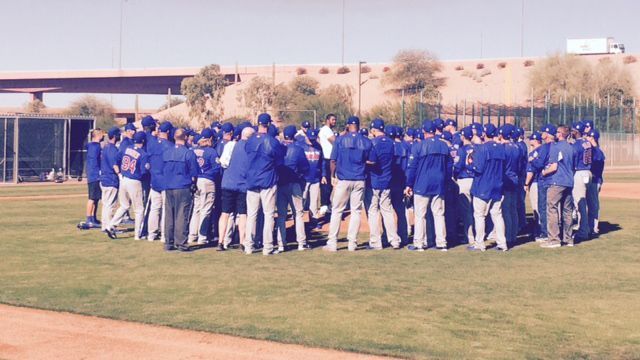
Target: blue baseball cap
537, 136
477, 128
148, 121
238, 130
353, 120
451, 122
446, 136
428, 126
439, 124
467, 132
377, 124
578, 126
312, 134
588, 124
264, 119
216, 124
289, 132
139, 137
490, 130
595, 134
165, 127
364, 131
306, 125
227, 127
114, 131
390, 131
399, 130
550, 129
206, 133
506, 130
411, 132
129, 127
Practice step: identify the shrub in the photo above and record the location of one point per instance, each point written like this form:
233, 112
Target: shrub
629, 59
485, 72
323, 70
386, 69
502, 65
301, 71
480, 66
528, 63
343, 70
459, 68
365, 69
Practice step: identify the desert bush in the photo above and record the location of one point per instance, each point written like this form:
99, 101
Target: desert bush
479, 66
485, 72
459, 68
386, 69
629, 59
301, 71
502, 65
365, 69
323, 70
343, 70
528, 63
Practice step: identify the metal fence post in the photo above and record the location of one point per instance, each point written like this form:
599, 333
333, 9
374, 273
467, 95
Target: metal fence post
402, 121
531, 115
608, 110
16, 148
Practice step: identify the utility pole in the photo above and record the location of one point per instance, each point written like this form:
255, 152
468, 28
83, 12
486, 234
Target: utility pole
522, 31
343, 1
120, 43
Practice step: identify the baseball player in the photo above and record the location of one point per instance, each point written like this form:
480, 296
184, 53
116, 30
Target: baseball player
109, 181
451, 189
326, 139
203, 199
93, 177
156, 147
531, 182
426, 174
510, 183
548, 132
291, 181
593, 191
518, 137
134, 163
559, 173
348, 173
127, 137
265, 154
583, 151
381, 159
179, 175
463, 172
315, 175
399, 202
410, 138
234, 188
301, 134
487, 162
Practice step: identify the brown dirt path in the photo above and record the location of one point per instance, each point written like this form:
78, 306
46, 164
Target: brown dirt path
38, 334
629, 191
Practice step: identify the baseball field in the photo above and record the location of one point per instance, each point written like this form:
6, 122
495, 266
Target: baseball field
574, 303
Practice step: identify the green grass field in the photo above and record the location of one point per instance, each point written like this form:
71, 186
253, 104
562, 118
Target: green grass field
573, 303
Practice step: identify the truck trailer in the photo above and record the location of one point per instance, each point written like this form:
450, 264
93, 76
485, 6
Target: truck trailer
594, 46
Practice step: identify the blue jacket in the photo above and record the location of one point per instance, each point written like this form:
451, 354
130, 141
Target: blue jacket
155, 149
152, 140
316, 160
382, 156
134, 163
125, 143
109, 157
265, 154
401, 152
179, 168
208, 162
533, 156
460, 168
539, 162
93, 161
583, 155
561, 153
597, 165
427, 168
350, 152
488, 166
512, 167
295, 165
235, 176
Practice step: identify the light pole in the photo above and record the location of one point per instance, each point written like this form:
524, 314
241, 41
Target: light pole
360, 63
120, 43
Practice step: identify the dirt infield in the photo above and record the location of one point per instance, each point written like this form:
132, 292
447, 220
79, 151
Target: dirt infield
37, 334
621, 191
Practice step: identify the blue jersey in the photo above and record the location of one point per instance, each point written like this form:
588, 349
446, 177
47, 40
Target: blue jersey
151, 142
561, 153
313, 153
235, 176
533, 156
382, 156
512, 167
93, 161
539, 162
295, 165
461, 170
208, 162
134, 163
401, 152
265, 155
597, 165
179, 168
426, 171
155, 149
453, 154
488, 166
350, 152
108, 159
125, 143
583, 155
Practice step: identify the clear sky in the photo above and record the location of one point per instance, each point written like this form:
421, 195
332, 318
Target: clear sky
84, 34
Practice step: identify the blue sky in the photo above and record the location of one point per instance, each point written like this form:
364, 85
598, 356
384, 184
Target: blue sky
84, 34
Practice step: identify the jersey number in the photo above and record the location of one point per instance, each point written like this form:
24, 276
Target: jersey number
129, 164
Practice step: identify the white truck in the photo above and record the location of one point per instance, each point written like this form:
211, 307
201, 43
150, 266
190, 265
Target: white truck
594, 46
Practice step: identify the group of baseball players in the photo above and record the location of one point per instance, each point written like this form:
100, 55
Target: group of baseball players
459, 186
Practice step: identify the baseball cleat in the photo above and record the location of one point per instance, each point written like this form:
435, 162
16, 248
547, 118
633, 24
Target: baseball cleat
111, 234
415, 248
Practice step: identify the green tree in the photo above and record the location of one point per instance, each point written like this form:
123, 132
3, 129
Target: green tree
34, 107
90, 105
258, 96
414, 71
203, 93
336, 99
174, 101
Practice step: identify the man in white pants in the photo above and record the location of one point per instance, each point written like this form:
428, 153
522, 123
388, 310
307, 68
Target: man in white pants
531, 182
109, 178
348, 172
464, 175
203, 200
134, 164
315, 176
381, 159
426, 180
487, 162
155, 148
264, 155
583, 157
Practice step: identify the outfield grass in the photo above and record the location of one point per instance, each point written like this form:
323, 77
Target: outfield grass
53, 189
581, 302
622, 177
